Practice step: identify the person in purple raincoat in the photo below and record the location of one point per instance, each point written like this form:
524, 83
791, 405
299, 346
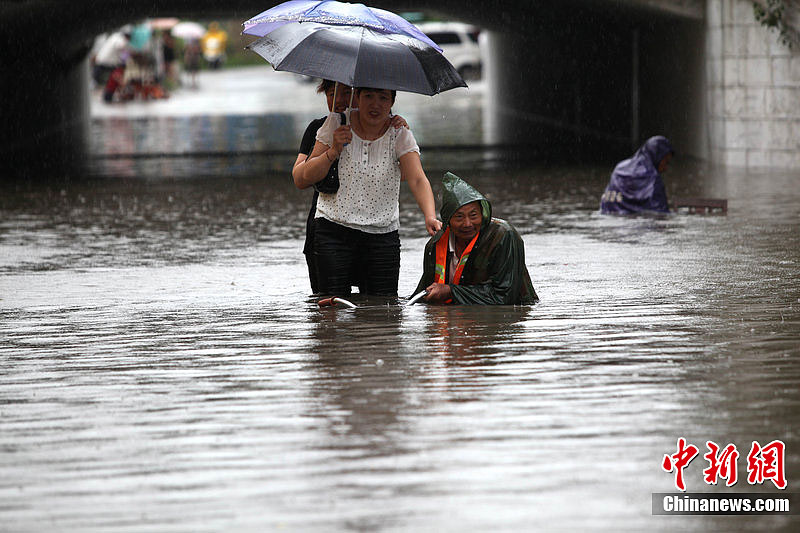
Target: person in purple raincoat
636, 185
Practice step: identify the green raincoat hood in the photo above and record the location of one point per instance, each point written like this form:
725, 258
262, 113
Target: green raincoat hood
457, 193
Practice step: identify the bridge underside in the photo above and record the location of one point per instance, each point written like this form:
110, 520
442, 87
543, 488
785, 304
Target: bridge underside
578, 76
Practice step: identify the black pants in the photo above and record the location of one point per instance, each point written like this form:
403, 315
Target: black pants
100, 74
344, 255
308, 246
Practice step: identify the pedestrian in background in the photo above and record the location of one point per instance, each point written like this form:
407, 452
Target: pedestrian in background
191, 60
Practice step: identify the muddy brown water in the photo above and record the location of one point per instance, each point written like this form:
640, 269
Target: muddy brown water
163, 367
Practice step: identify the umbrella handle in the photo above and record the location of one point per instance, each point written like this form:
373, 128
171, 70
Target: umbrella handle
347, 113
350, 106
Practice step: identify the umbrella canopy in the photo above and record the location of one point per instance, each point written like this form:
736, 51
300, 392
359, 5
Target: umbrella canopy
188, 30
331, 12
163, 23
140, 36
359, 57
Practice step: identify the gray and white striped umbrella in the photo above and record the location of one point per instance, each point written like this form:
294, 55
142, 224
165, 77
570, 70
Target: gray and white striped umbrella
359, 57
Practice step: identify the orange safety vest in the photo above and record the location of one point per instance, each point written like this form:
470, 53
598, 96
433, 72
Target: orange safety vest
441, 259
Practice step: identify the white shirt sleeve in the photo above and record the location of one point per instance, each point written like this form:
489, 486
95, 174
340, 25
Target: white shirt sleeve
405, 142
325, 132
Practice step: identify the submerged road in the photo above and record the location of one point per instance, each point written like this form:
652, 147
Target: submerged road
163, 368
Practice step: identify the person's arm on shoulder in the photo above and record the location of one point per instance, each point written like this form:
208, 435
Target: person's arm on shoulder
398, 122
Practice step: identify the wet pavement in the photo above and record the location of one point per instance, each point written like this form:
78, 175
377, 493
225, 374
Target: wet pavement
164, 368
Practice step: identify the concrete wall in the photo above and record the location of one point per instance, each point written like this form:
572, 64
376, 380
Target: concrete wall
44, 99
753, 90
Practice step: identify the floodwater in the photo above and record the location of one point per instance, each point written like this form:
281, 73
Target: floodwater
164, 368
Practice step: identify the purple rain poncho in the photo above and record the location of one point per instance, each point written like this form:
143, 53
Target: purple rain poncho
636, 186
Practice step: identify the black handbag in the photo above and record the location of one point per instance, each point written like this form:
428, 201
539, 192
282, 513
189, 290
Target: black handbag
330, 183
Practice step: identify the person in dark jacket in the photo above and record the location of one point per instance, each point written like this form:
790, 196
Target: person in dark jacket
337, 101
474, 258
636, 185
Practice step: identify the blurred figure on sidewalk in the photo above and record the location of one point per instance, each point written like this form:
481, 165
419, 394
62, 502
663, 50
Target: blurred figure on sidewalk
214, 42
191, 60
168, 51
112, 54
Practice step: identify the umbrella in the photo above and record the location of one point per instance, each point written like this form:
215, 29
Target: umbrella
333, 13
188, 30
163, 23
140, 36
359, 57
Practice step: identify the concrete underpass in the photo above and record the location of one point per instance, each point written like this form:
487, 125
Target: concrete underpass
573, 77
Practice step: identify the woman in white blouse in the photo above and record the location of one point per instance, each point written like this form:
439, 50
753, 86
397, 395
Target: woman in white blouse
356, 233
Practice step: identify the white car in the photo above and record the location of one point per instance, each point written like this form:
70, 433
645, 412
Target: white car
459, 43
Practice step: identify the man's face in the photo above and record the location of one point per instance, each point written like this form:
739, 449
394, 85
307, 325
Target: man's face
466, 221
664, 163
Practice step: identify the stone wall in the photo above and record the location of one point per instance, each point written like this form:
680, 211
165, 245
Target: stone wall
753, 90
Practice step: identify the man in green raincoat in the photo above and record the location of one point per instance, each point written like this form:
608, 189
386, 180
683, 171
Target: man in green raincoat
474, 258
